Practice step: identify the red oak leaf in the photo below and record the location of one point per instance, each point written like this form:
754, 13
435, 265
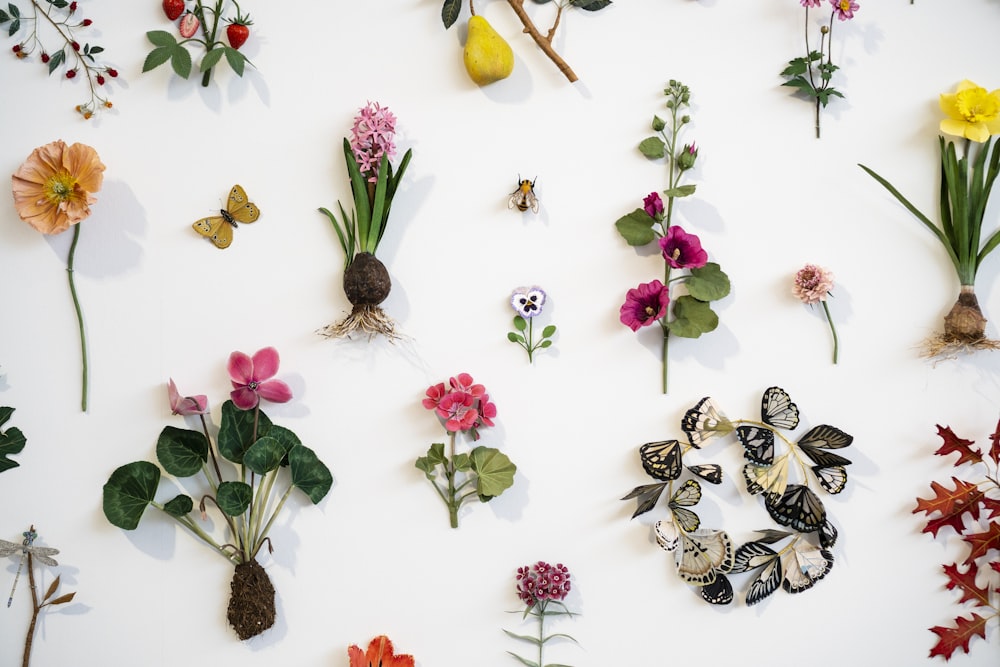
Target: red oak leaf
995, 565
953, 443
981, 543
379, 654
951, 639
992, 505
966, 581
995, 449
951, 504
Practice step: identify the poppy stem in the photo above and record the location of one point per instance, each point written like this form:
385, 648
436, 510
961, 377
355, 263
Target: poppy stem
833, 330
79, 315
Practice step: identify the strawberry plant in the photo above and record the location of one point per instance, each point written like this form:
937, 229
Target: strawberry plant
238, 30
980, 499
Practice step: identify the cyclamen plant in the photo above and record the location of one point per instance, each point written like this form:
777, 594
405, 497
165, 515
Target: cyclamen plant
12, 441
458, 477
948, 508
258, 450
541, 586
527, 302
689, 315
58, 15
811, 75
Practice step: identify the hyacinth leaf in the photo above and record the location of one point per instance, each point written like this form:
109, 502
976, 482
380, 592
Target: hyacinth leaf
636, 228
708, 283
179, 506
181, 452
128, 491
450, 11
359, 188
309, 474
265, 455
12, 441
234, 497
236, 434
692, 317
653, 147
379, 204
520, 323
681, 191
494, 471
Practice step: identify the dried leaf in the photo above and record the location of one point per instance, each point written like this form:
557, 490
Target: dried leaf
951, 639
63, 599
960, 446
995, 449
982, 543
52, 588
967, 583
951, 504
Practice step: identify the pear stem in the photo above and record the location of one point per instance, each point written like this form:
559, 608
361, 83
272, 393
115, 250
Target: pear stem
544, 44
471, 8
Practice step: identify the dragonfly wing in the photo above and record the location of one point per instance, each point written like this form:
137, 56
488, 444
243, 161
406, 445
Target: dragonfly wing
43, 555
8, 548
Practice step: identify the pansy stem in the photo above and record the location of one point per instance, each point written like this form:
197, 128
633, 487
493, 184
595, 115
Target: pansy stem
833, 330
530, 347
79, 315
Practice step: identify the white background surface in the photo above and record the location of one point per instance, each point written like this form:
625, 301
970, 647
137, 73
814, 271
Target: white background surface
377, 556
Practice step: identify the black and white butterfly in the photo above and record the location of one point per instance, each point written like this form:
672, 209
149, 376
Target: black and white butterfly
798, 507
758, 443
829, 468
704, 421
754, 555
687, 496
646, 496
777, 409
662, 460
710, 472
704, 554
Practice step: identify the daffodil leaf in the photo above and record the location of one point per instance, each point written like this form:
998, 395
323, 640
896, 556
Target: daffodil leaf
692, 317
652, 147
709, 283
128, 491
12, 441
309, 473
181, 451
495, 472
236, 433
450, 11
636, 228
179, 506
234, 497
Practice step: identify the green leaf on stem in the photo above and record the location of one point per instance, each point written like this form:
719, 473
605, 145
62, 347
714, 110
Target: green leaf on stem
681, 191
450, 11
181, 451
636, 228
14, 27
56, 59
545, 343
462, 462
520, 323
236, 431
658, 124
709, 283
211, 59
802, 85
234, 497
128, 491
265, 455
179, 506
180, 60
154, 58
524, 661
548, 331
514, 338
527, 638
309, 473
161, 38
12, 441
494, 471
653, 147
692, 318
235, 59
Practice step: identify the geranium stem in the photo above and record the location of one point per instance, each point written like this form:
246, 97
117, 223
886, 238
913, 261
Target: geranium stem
833, 330
79, 315
453, 503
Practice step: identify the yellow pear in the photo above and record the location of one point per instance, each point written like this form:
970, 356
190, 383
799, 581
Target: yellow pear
487, 56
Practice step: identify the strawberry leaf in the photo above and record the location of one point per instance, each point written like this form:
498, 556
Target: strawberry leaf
951, 639
966, 582
982, 543
961, 446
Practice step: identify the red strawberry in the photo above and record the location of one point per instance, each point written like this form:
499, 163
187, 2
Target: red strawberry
189, 25
237, 31
172, 8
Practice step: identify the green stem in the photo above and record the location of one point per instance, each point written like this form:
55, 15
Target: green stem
452, 491
833, 330
530, 347
193, 527
79, 314
209, 37
541, 635
267, 526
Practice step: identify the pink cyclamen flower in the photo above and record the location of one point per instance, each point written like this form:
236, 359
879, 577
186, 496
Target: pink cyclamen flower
542, 582
373, 136
844, 9
644, 305
456, 408
653, 205
186, 405
251, 378
812, 284
683, 250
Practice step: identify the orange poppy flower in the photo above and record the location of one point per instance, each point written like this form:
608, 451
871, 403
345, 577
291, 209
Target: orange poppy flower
379, 653
54, 187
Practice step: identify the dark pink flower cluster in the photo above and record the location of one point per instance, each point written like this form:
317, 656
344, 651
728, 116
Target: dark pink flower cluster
373, 136
542, 582
463, 405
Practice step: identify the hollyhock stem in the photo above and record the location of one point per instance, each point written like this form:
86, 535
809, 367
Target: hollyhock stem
833, 330
79, 315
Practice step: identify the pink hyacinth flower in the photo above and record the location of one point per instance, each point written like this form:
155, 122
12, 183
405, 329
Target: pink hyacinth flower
185, 405
683, 250
251, 378
644, 305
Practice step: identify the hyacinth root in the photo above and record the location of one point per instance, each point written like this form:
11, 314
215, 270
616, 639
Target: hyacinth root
964, 329
365, 318
251, 603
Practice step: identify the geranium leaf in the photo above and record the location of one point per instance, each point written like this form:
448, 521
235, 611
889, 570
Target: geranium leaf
494, 471
966, 582
12, 441
708, 283
234, 497
181, 451
236, 431
309, 473
952, 639
128, 491
636, 228
692, 317
954, 444
652, 147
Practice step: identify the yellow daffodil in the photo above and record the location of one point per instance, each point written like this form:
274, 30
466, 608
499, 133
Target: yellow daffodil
972, 112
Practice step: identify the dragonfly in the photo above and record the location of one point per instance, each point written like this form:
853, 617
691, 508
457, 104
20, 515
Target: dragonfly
26, 547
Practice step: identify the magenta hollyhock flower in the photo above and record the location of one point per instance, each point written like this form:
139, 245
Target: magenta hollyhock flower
373, 136
844, 9
434, 395
653, 205
457, 411
186, 405
683, 250
251, 378
644, 305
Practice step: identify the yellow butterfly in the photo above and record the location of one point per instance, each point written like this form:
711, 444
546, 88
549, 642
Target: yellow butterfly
219, 228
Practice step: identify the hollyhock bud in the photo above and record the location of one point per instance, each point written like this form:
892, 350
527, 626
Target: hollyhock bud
687, 157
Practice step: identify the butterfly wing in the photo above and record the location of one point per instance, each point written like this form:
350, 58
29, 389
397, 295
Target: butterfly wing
755, 555
240, 207
704, 554
719, 591
646, 497
831, 478
822, 457
689, 494
667, 535
826, 437
758, 444
685, 518
799, 508
216, 229
777, 409
662, 460
804, 566
710, 472
704, 421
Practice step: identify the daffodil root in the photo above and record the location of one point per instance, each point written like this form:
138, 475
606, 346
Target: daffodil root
251, 603
964, 329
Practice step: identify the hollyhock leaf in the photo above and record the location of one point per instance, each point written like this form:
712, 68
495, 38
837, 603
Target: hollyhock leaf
179, 506
708, 283
952, 639
680, 191
692, 318
309, 473
495, 472
653, 147
12, 441
128, 491
236, 431
264, 455
636, 228
234, 497
180, 451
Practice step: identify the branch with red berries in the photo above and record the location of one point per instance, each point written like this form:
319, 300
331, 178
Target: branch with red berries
58, 15
980, 500
169, 49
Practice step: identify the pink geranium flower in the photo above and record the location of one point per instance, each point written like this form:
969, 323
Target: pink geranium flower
186, 405
251, 378
644, 305
457, 411
435, 393
683, 250
463, 382
844, 9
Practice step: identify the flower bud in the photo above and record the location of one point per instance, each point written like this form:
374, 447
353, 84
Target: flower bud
687, 157
658, 124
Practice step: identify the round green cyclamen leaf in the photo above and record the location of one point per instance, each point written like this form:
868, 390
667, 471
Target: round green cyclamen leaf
709, 283
652, 147
179, 506
495, 472
234, 497
692, 318
520, 323
236, 431
181, 451
264, 455
309, 473
128, 491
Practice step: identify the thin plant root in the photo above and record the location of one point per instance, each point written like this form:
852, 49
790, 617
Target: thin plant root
366, 318
949, 346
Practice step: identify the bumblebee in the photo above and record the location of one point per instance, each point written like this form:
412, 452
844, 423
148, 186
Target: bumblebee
524, 197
